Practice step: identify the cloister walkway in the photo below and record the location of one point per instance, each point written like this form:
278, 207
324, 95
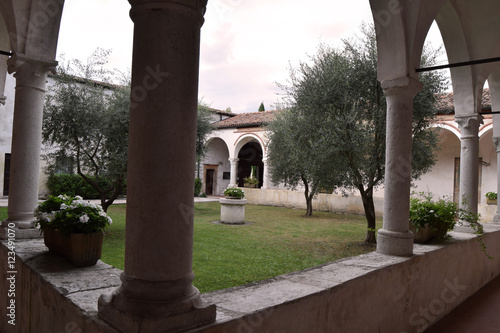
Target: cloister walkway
479, 313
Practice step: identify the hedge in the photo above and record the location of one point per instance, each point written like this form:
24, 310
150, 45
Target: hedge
73, 184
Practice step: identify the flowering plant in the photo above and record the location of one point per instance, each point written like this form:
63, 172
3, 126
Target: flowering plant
234, 192
71, 215
440, 215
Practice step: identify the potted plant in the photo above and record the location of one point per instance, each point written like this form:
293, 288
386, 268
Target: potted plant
431, 219
73, 228
250, 182
491, 198
234, 193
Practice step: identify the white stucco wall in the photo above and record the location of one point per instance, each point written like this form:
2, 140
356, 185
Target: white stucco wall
7, 118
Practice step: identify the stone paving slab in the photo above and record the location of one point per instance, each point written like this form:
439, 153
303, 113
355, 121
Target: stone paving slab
260, 296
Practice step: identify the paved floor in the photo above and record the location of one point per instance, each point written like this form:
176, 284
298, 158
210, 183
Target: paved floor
480, 313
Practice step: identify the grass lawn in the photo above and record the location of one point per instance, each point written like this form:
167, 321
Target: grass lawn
278, 241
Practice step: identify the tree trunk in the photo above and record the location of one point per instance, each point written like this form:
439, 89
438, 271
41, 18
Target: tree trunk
309, 198
309, 208
369, 208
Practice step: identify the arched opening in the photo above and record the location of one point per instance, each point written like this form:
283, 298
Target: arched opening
250, 163
488, 167
216, 167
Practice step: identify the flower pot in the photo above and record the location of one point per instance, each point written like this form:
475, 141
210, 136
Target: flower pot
423, 235
81, 249
249, 185
229, 197
491, 201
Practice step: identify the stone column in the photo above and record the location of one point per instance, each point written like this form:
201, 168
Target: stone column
496, 141
234, 172
265, 181
469, 160
157, 294
394, 238
31, 77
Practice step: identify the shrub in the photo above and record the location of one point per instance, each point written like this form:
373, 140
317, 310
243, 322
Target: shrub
197, 186
73, 185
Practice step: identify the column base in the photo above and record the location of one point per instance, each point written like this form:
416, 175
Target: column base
464, 227
496, 218
395, 243
18, 233
130, 310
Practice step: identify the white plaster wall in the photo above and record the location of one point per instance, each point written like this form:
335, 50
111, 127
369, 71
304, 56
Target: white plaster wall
7, 118
489, 167
440, 179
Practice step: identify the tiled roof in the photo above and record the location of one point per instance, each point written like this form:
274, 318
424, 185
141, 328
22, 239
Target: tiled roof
444, 105
444, 102
247, 119
225, 113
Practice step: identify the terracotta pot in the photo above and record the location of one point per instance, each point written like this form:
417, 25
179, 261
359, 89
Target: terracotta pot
491, 201
423, 235
81, 249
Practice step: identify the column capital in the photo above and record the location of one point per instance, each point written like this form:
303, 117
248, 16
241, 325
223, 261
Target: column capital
469, 125
401, 86
36, 65
196, 8
233, 160
496, 142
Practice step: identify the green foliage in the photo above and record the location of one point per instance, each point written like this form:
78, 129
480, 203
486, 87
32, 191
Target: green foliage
262, 107
234, 192
440, 215
332, 130
71, 215
85, 126
203, 128
73, 184
197, 186
251, 180
491, 195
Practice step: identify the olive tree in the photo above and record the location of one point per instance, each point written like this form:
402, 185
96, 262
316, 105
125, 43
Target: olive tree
340, 111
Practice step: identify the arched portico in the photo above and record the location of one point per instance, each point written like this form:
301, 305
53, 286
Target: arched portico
250, 155
216, 167
401, 29
30, 29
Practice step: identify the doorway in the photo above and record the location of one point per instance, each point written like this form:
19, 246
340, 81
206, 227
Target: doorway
211, 179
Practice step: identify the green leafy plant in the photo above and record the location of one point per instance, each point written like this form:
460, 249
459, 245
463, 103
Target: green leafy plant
197, 186
234, 192
440, 215
71, 215
251, 180
491, 195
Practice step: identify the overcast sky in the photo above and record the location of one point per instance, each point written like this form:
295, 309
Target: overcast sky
247, 45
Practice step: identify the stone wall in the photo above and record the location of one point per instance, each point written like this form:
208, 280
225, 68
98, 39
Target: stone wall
332, 202
49, 293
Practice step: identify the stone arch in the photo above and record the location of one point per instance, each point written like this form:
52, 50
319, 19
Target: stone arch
216, 167
401, 31
250, 152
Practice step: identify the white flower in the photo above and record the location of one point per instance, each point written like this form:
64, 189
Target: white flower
78, 197
431, 211
84, 218
63, 206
